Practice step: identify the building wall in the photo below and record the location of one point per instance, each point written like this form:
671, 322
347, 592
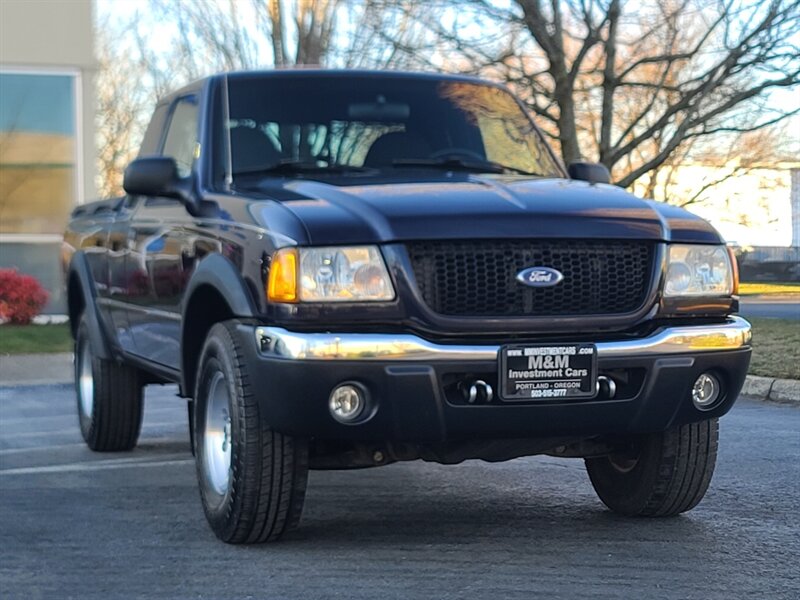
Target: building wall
750, 206
47, 152
796, 207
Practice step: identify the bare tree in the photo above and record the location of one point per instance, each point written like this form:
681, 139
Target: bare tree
740, 155
121, 104
203, 37
628, 84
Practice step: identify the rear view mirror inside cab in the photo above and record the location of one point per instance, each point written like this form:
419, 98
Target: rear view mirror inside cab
380, 110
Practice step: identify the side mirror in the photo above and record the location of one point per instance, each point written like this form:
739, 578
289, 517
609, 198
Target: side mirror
591, 172
155, 176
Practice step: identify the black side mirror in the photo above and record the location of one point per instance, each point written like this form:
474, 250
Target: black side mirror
155, 176
591, 172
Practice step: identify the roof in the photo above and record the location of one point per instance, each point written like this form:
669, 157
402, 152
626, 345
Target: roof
356, 73
316, 72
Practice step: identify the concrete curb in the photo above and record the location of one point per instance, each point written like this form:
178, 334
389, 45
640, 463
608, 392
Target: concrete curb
50, 369
784, 391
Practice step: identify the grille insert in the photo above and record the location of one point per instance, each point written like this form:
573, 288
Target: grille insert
478, 278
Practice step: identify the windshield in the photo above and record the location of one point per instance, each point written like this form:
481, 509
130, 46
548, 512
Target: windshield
358, 123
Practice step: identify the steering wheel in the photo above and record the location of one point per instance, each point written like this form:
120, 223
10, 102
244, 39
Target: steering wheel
455, 152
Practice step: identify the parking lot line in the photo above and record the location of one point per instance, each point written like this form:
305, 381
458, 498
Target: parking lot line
97, 465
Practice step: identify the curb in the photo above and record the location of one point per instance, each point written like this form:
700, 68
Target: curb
783, 391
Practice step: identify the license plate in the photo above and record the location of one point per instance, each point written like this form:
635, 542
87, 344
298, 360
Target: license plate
541, 372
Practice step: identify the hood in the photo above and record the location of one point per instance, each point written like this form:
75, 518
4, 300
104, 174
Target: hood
466, 206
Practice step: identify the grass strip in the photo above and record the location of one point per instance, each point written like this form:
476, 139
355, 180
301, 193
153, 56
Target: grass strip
776, 348
35, 339
769, 289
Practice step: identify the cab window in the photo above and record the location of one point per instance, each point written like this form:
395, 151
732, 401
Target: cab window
181, 141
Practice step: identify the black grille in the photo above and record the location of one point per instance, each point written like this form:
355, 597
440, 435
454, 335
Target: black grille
478, 278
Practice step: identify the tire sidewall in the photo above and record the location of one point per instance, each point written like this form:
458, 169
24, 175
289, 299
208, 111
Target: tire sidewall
222, 512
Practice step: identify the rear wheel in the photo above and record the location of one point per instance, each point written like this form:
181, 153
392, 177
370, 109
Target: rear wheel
658, 475
252, 479
110, 398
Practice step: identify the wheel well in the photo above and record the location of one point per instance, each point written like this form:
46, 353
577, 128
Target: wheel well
76, 303
206, 307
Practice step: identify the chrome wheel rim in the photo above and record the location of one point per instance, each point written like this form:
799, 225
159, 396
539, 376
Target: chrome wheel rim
85, 379
217, 436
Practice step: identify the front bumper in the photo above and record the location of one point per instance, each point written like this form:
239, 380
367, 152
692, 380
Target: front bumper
413, 384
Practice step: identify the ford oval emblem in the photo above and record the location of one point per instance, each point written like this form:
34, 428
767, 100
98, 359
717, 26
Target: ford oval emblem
540, 277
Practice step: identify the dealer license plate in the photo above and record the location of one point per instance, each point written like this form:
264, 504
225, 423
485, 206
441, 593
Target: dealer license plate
541, 372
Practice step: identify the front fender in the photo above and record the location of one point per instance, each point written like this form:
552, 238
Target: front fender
216, 292
219, 273
81, 287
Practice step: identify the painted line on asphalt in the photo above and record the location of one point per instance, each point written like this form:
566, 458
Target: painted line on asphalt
72, 416
57, 447
95, 466
74, 431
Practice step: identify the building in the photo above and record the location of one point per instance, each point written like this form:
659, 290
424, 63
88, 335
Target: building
796, 208
750, 205
47, 150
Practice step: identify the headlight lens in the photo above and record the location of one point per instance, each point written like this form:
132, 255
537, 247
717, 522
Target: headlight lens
333, 274
698, 271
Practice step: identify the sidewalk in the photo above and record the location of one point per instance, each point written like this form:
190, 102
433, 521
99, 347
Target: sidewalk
35, 369
50, 369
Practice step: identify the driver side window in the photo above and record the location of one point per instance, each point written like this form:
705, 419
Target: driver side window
181, 141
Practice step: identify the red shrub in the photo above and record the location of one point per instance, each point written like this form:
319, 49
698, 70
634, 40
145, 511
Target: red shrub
22, 297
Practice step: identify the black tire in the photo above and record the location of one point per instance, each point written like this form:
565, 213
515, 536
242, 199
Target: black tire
259, 496
109, 397
660, 475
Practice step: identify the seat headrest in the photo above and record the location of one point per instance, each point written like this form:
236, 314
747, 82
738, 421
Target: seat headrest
251, 150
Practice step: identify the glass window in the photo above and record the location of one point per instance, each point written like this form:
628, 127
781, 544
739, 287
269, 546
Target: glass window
181, 140
152, 137
385, 123
37, 152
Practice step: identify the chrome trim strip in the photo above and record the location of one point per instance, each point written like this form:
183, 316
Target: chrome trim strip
153, 312
281, 343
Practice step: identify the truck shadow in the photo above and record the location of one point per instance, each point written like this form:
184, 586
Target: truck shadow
495, 508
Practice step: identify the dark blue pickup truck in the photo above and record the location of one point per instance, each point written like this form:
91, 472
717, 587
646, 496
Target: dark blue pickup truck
345, 269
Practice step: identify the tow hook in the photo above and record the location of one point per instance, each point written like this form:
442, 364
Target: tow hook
477, 391
606, 386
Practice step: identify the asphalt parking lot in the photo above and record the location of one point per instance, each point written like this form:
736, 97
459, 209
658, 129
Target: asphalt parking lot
74, 524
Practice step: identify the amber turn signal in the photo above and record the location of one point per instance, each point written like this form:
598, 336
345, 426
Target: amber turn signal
282, 282
734, 270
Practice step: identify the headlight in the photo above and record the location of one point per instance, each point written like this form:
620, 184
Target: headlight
334, 274
698, 271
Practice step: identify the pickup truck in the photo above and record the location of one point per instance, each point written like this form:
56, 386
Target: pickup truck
345, 269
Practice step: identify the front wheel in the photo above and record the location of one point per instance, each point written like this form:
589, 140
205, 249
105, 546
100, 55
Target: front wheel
252, 479
660, 474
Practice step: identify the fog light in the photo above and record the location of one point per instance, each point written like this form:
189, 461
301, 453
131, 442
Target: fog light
347, 402
706, 391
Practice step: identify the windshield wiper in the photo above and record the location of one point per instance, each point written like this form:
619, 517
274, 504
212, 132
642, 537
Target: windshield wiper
293, 165
460, 164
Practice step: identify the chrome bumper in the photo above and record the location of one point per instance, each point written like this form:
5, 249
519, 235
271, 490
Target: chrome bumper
734, 334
